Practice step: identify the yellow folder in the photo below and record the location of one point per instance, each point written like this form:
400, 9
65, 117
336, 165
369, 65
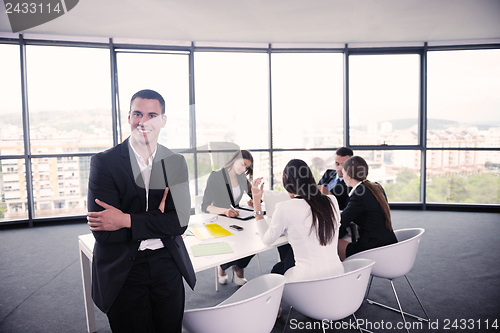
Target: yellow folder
217, 231
203, 232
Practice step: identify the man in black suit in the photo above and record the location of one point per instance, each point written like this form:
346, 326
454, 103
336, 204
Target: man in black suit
332, 181
139, 206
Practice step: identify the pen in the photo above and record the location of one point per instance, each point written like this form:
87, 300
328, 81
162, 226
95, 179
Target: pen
232, 207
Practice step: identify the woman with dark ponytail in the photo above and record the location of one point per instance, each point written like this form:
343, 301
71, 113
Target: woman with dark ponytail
367, 207
310, 222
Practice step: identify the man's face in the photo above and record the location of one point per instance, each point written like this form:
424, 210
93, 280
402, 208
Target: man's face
146, 121
338, 164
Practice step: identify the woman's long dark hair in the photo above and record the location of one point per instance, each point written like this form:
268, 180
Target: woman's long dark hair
298, 180
245, 154
357, 168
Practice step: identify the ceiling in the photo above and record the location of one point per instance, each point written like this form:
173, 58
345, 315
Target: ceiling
277, 21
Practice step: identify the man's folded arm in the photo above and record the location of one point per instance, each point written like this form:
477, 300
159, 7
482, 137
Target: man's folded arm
102, 186
175, 218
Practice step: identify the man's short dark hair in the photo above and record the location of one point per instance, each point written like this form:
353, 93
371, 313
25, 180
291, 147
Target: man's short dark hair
344, 151
149, 94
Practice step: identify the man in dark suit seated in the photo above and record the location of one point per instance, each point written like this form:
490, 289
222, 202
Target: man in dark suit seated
138, 208
332, 180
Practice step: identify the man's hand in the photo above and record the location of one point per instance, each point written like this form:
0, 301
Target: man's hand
110, 219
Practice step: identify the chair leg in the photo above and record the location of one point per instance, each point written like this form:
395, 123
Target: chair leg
400, 310
216, 278
393, 309
260, 267
369, 286
399, 304
418, 299
359, 327
287, 317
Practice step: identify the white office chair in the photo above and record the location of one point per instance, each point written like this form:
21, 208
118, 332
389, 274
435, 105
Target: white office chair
331, 298
393, 261
251, 309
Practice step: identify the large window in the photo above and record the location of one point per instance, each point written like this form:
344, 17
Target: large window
463, 114
384, 99
168, 74
463, 99
232, 98
72, 112
307, 100
434, 127
70, 115
11, 126
13, 199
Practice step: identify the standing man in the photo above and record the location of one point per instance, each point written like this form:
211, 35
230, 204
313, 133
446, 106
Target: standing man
333, 180
139, 206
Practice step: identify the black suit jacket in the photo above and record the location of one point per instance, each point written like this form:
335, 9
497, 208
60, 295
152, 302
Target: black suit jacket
340, 190
115, 178
364, 210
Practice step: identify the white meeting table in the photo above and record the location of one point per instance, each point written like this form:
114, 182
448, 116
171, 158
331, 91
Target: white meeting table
243, 243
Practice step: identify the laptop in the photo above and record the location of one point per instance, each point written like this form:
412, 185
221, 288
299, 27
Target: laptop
271, 198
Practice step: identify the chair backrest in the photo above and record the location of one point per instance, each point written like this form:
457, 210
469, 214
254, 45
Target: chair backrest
331, 298
251, 309
271, 198
395, 260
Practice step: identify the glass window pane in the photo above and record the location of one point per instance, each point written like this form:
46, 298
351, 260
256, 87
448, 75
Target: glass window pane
398, 171
69, 98
168, 74
11, 126
232, 98
384, 99
307, 96
463, 176
14, 198
60, 185
318, 161
463, 104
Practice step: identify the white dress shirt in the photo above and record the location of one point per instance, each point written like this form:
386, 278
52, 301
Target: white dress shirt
312, 260
153, 243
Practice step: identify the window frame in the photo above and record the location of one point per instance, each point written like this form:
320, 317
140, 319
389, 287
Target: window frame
191, 50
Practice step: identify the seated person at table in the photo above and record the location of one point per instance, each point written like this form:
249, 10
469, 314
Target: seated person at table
310, 222
333, 181
225, 188
367, 207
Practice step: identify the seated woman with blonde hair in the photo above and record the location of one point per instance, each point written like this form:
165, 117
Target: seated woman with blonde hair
367, 207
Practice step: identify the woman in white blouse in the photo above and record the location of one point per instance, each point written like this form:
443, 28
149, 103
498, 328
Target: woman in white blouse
310, 222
